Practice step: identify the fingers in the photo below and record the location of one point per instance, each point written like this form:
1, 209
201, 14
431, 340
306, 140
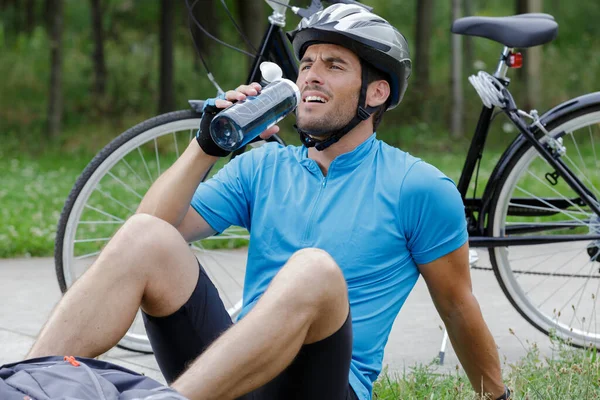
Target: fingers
242, 92
269, 132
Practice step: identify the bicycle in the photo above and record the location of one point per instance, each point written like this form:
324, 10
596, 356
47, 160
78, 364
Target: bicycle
555, 200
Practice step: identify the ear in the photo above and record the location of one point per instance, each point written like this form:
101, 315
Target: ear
377, 93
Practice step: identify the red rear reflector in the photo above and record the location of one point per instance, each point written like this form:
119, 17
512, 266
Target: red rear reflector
515, 60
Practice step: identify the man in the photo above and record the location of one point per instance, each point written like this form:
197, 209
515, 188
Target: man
340, 230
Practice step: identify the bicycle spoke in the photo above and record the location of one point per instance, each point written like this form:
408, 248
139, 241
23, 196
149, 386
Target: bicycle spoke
104, 213
525, 207
562, 286
578, 152
145, 165
91, 240
553, 223
157, 158
99, 222
594, 151
550, 205
548, 276
594, 317
541, 253
133, 171
126, 186
585, 178
539, 263
582, 290
221, 237
113, 199
556, 191
88, 255
176, 146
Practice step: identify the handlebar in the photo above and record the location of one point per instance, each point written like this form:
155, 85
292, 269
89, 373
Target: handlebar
316, 6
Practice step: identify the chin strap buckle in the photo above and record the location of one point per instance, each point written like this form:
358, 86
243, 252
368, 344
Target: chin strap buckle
363, 114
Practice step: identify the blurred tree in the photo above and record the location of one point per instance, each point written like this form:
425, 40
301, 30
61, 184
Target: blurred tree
97, 12
29, 15
530, 75
422, 49
166, 98
251, 16
55, 101
456, 115
205, 12
468, 40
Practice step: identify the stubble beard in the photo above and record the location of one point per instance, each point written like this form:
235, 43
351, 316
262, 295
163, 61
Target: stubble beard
330, 122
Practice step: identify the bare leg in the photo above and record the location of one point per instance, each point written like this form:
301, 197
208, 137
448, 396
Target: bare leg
307, 301
147, 263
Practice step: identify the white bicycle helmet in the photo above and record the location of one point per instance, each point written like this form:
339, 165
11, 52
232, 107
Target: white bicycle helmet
373, 39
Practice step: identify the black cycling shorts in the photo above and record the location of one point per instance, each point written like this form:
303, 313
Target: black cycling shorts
320, 370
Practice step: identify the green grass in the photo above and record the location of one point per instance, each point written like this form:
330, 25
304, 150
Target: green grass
568, 373
31, 197
34, 188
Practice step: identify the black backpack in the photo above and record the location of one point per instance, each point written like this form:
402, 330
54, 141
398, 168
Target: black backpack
77, 378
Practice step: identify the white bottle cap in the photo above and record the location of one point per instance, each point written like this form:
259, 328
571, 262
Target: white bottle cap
270, 71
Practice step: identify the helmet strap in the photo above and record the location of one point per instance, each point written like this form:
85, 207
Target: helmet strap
362, 113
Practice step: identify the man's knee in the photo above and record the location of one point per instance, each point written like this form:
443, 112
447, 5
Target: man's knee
144, 239
315, 269
144, 232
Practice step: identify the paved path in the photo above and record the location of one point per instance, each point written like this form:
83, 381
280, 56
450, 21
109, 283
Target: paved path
28, 292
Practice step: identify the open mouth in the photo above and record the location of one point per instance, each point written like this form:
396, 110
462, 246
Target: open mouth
315, 99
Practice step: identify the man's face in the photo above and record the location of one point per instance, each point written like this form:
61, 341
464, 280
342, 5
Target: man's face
329, 80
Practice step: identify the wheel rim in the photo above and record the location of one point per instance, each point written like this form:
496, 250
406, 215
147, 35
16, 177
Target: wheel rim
556, 286
112, 194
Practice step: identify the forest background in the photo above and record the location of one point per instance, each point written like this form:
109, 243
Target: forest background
74, 74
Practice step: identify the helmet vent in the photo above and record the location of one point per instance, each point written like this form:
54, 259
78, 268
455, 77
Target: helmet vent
360, 24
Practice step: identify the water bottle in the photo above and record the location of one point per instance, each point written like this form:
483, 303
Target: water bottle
239, 124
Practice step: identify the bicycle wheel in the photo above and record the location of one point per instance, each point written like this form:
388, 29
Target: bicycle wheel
553, 286
109, 191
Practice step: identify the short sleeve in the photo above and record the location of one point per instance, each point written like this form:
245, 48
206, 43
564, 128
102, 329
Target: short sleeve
432, 213
225, 199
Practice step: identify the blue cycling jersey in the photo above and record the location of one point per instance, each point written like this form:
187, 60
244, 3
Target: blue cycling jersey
379, 212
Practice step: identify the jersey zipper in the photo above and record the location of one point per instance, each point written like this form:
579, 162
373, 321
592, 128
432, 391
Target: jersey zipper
310, 223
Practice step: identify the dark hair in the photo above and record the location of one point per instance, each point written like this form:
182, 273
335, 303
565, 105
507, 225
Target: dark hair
374, 74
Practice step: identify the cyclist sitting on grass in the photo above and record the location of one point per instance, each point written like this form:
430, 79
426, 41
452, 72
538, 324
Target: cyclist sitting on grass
341, 228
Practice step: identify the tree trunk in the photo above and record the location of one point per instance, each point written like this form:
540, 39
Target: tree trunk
533, 57
456, 119
521, 8
251, 15
422, 48
98, 55
55, 101
468, 40
29, 15
166, 100
18, 16
530, 74
206, 14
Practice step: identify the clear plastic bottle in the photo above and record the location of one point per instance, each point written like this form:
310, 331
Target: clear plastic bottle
239, 124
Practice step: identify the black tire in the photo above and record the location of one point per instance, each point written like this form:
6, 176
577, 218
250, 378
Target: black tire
101, 168
541, 280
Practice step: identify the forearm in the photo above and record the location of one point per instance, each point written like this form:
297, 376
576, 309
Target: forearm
474, 346
170, 196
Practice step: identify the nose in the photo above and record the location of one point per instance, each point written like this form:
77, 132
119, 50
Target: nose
313, 75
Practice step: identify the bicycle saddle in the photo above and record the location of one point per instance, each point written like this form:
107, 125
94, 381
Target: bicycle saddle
523, 30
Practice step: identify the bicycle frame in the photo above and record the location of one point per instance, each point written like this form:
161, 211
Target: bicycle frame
479, 235
274, 47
